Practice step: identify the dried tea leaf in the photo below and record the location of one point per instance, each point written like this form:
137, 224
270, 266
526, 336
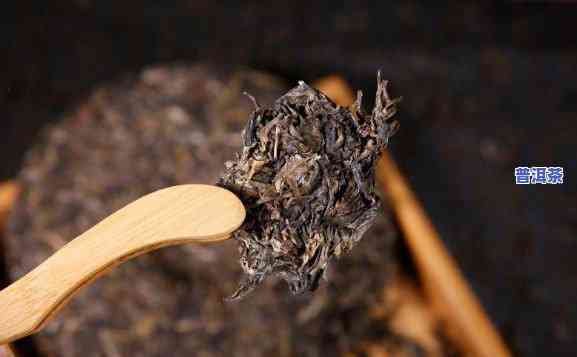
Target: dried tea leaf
306, 176
168, 125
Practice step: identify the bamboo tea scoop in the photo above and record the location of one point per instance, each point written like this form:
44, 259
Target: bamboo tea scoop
174, 215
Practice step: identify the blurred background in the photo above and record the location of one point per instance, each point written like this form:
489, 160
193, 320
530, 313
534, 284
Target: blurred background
485, 88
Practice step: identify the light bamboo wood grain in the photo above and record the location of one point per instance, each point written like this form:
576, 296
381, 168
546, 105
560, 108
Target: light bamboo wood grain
174, 215
443, 282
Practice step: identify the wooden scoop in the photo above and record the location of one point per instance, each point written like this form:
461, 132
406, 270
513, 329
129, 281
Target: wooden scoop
174, 215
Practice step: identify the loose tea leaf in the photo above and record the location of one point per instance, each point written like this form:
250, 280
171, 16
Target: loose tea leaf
167, 125
306, 176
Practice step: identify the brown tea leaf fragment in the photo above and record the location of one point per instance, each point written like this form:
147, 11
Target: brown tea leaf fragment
306, 176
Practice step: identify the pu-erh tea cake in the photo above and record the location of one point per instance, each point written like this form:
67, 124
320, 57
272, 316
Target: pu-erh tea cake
177, 124
306, 176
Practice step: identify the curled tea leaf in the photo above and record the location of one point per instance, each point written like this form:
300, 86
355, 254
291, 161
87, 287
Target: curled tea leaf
306, 177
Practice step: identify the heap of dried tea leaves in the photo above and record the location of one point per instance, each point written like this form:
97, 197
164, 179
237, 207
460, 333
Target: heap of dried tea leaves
306, 176
166, 125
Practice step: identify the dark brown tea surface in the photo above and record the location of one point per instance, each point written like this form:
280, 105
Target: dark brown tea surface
163, 126
306, 176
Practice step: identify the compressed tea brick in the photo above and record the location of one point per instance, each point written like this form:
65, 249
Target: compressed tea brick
306, 176
169, 125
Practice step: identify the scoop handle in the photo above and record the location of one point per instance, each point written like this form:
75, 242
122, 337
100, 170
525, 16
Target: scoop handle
174, 215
